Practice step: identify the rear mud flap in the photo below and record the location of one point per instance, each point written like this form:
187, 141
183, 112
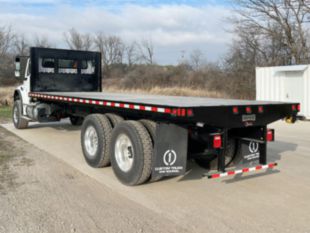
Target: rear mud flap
252, 152
170, 151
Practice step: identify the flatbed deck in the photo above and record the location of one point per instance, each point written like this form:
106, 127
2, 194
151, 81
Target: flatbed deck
159, 100
211, 111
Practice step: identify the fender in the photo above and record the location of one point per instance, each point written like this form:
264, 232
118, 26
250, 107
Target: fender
18, 96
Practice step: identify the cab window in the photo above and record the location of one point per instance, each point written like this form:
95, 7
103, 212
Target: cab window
47, 65
67, 66
88, 67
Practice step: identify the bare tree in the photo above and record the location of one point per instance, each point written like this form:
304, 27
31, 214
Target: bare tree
6, 37
146, 49
280, 23
196, 59
6, 55
111, 47
42, 42
131, 53
21, 45
78, 41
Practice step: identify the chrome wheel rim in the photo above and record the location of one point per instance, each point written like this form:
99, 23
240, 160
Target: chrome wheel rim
15, 115
91, 141
124, 154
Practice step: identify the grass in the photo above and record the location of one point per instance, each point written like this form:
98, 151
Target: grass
170, 91
6, 95
5, 113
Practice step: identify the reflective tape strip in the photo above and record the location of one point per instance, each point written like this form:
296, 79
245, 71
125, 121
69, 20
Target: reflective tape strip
244, 170
104, 103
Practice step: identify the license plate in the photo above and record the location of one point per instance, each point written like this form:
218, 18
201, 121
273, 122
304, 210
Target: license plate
250, 151
248, 117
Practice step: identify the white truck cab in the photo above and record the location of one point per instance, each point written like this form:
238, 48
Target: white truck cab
25, 76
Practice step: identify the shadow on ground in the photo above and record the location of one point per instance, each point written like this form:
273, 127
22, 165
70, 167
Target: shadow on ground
275, 152
61, 126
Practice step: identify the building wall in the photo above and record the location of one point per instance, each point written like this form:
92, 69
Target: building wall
270, 85
306, 103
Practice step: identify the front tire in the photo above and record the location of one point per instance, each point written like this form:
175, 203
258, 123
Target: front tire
95, 140
131, 153
18, 121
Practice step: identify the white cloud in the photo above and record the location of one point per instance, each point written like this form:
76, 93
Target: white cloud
174, 27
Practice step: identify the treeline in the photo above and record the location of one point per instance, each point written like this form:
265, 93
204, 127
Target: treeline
266, 32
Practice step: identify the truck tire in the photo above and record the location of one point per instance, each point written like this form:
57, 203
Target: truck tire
151, 128
95, 140
131, 153
211, 163
76, 121
114, 119
18, 121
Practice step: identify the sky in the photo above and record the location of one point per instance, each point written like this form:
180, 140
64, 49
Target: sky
176, 28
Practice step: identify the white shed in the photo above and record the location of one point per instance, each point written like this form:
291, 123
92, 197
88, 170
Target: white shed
285, 83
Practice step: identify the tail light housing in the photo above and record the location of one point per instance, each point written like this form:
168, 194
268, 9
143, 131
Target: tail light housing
248, 110
298, 107
190, 112
217, 141
235, 110
270, 135
260, 109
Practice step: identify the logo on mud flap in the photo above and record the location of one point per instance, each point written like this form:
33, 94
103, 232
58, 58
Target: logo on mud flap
253, 147
170, 157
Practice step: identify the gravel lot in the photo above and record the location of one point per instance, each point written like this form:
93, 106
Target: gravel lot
47, 187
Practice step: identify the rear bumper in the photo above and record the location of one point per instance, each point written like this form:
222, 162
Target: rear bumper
243, 170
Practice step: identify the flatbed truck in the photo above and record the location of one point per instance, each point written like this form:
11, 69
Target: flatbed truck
144, 137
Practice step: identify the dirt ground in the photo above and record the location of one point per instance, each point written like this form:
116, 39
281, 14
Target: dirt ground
39, 193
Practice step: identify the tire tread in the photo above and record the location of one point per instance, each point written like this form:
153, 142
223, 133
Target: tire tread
22, 123
114, 119
147, 150
106, 131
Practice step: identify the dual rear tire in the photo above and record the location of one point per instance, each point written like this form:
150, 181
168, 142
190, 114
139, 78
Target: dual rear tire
96, 137
127, 145
131, 153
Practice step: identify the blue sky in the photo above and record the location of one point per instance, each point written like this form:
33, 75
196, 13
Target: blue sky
175, 27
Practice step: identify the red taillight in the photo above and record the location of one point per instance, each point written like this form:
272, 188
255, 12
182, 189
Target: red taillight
298, 107
181, 112
217, 141
235, 110
293, 107
260, 109
270, 135
248, 110
190, 112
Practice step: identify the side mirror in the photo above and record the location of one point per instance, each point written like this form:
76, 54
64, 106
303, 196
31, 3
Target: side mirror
17, 67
